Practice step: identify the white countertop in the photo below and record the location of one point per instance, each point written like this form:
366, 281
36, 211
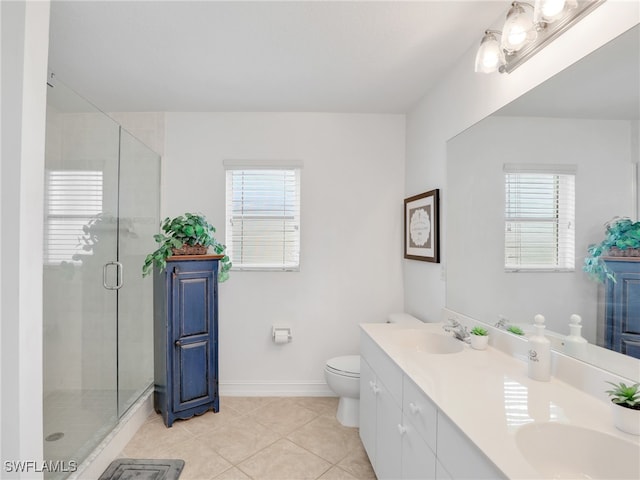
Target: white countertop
488, 395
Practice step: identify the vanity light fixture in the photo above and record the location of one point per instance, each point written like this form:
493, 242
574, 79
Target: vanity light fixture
527, 29
519, 29
490, 55
550, 11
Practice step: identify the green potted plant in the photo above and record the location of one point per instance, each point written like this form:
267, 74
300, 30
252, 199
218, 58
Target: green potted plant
625, 402
622, 239
479, 338
188, 234
515, 330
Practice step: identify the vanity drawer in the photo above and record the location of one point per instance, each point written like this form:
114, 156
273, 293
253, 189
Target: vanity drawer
385, 369
420, 411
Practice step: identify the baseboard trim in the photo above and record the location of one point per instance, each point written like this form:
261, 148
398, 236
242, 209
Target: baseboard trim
275, 390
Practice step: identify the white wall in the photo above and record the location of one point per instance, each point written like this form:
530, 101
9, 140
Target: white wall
477, 284
25, 30
351, 236
462, 98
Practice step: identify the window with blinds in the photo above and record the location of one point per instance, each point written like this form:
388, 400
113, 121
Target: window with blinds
72, 199
263, 217
539, 233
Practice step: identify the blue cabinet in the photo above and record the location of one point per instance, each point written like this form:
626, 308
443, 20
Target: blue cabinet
186, 337
622, 311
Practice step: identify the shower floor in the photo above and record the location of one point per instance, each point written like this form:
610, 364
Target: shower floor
83, 417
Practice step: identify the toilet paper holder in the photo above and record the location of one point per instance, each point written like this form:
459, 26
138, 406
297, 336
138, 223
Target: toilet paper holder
281, 334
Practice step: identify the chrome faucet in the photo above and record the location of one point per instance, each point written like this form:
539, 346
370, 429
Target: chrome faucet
501, 323
459, 331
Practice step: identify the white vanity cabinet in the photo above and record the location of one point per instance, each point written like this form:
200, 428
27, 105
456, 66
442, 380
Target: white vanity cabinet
441, 473
380, 411
404, 433
368, 407
394, 435
460, 458
419, 416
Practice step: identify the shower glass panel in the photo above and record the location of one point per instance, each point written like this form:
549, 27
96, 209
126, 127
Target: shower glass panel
81, 204
139, 214
101, 212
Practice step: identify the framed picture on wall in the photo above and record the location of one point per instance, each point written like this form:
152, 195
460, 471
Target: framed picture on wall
421, 227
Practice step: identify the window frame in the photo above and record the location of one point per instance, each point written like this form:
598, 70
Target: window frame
291, 262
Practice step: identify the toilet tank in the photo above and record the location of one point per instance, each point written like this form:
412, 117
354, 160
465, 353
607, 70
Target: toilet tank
403, 319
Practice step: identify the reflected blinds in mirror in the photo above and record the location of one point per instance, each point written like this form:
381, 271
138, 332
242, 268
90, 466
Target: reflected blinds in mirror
539, 232
73, 200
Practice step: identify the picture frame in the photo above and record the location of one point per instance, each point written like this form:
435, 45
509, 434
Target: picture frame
422, 227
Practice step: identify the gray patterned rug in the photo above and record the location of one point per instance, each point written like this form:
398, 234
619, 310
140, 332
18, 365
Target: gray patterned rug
130, 468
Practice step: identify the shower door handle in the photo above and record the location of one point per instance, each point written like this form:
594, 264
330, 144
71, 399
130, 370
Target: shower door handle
119, 270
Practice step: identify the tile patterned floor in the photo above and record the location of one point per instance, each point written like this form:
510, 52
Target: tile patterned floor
260, 438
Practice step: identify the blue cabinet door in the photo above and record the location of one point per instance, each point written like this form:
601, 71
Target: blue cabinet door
622, 332
193, 359
186, 337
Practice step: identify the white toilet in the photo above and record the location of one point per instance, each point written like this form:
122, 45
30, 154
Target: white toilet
343, 377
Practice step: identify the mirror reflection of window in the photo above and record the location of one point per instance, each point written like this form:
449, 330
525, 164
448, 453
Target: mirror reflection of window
539, 233
73, 198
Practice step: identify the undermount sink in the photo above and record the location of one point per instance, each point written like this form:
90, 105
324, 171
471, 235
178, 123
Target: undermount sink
564, 451
428, 342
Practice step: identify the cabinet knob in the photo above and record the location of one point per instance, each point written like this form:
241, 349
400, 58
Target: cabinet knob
414, 408
374, 387
402, 429
178, 343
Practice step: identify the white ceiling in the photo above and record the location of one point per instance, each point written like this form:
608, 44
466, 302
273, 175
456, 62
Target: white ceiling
324, 56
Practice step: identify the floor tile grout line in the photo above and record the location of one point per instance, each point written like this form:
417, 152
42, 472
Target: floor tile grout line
317, 455
314, 410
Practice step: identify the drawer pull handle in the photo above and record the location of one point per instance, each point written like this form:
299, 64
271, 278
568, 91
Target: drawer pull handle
414, 408
402, 429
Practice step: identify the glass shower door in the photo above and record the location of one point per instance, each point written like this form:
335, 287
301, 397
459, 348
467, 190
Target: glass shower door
80, 276
102, 201
138, 222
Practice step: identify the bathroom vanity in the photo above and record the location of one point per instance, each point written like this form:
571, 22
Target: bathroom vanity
186, 337
433, 408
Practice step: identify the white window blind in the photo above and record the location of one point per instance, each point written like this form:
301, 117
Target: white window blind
263, 217
539, 229
72, 199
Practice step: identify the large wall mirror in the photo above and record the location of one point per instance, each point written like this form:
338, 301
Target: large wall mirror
585, 119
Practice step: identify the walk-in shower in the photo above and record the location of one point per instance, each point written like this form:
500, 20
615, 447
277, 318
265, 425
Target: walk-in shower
102, 196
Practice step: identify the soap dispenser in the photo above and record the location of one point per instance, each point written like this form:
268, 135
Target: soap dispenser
539, 352
574, 343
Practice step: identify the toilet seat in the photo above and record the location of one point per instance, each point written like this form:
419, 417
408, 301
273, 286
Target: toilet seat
346, 366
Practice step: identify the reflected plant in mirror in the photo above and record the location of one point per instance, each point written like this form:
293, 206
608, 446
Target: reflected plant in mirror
515, 330
622, 239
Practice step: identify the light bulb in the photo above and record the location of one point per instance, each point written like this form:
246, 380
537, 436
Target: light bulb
518, 29
551, 8
549, 11
489, 57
